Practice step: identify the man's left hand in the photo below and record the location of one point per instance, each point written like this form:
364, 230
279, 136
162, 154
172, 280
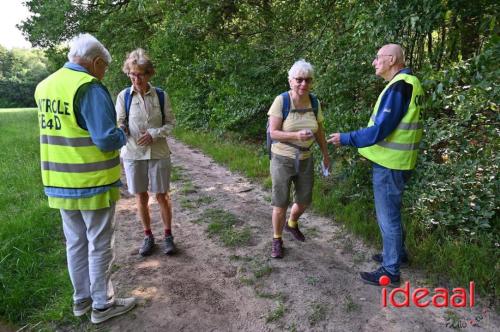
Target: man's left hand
334, 139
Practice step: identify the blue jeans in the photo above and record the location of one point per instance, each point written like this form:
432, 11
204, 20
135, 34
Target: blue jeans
388, 187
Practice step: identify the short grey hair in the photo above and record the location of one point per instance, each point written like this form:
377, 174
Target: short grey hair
301, 67
87, 47
140, 59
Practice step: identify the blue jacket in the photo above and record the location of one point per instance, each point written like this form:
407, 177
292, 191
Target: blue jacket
392, 109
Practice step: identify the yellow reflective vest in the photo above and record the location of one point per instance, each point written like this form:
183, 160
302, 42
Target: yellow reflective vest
69, 158
399, 150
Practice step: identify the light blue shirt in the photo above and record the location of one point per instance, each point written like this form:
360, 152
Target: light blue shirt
102, 128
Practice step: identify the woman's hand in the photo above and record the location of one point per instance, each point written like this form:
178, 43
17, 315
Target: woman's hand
145, 139
304, 134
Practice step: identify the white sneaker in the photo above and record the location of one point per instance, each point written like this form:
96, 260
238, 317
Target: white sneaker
82, 307
121, 306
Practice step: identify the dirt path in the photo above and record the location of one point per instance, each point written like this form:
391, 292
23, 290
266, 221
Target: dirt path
208, 286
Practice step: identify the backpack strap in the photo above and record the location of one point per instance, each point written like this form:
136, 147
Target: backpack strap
161, 97
128, 101
285, 110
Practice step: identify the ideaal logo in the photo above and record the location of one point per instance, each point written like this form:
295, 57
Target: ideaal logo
439, 298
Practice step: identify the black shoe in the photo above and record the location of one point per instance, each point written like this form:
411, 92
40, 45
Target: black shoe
373, 278
169, 245
147, 246
277, 248
295, 231
379, 259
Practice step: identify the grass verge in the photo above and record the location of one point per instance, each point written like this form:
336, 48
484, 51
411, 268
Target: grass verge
34, 283
349, 200
224, 225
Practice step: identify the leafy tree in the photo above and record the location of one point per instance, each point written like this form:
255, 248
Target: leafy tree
20, 72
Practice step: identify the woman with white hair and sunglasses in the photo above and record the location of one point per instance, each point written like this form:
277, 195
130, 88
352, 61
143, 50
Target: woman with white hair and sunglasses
295, 122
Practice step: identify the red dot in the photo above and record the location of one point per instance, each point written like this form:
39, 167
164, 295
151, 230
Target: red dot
384, 281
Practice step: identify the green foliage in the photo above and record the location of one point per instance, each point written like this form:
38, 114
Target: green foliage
461, 140
20, 72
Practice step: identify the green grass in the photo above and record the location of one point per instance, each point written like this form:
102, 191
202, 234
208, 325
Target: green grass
318, 313
277, 313
270, 296
176, 173
350, 305
34, 284
223, 224
187, 188
312, 280
193, 203
449, 261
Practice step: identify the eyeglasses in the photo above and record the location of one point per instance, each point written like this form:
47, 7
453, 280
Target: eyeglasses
381, 55
136, 76
308, 80
103, 62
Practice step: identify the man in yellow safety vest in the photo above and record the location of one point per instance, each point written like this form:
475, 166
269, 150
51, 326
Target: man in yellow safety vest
391, 143
80, 165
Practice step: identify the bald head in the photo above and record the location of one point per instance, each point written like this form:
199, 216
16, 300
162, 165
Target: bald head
389, 60
397, 52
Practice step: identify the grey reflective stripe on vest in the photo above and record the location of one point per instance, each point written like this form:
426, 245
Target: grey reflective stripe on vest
406, 126
410, 126
80, 168
399, 146
66, 141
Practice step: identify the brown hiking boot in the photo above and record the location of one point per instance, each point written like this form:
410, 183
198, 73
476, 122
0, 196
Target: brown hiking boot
277, 248
295, 231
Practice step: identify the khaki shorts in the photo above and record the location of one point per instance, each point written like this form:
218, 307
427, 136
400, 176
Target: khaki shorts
152, 173
283, 175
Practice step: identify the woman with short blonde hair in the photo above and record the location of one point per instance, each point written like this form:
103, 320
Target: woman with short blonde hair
145, 113
138, 59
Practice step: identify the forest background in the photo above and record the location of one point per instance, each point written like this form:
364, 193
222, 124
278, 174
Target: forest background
223, 63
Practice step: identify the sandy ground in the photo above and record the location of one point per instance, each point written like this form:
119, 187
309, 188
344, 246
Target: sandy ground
207, 286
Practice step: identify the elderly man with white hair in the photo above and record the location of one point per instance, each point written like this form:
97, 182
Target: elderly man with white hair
390, 142
80, 165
